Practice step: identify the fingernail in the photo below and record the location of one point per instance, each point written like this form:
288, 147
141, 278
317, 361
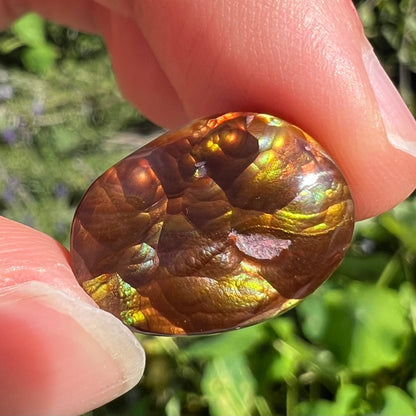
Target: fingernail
399, 124
66, 335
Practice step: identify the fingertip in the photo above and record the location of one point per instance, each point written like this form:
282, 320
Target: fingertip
61, 355
27, 254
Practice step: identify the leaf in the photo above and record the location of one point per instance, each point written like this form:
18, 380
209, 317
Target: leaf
314, 315
347, 402
364, 267
39, 59
401, 222
371, 230
229, 386
234, 342
30, 29
346, 398
292, 352
285, 365
364, 326
173, 407
411, 387
397, 403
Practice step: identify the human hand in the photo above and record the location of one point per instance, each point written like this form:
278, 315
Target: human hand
303, 61
59, 354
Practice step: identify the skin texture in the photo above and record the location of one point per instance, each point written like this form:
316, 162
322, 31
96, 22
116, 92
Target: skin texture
306, 62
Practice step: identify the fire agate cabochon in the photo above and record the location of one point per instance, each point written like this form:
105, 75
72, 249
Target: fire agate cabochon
219, 225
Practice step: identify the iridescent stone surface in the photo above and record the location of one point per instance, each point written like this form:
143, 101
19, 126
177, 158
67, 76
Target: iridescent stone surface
219, 225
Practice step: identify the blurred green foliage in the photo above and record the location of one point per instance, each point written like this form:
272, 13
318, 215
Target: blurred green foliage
348, 349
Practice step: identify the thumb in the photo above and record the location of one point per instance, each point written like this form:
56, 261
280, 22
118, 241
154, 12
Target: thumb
54, 340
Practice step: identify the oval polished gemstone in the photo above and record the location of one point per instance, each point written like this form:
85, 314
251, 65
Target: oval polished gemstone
219, 225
